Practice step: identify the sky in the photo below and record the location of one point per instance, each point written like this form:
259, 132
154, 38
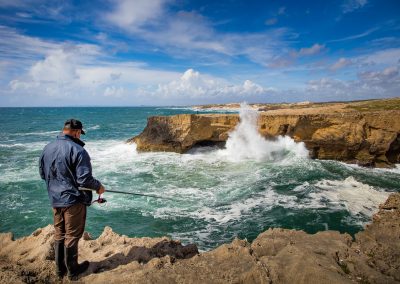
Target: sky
177, 52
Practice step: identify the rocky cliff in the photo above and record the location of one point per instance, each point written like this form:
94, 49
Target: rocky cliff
369, 138
275, 256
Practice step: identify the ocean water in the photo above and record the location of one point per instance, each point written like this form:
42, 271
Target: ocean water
213, 194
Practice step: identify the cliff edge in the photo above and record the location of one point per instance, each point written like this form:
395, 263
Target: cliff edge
345, 132
275, 256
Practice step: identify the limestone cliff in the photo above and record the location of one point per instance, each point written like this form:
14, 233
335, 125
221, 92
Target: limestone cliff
369, 138
275, 256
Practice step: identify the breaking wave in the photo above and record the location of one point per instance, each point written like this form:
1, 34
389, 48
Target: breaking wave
245, 142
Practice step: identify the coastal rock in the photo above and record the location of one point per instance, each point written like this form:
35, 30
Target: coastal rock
367, 138
180, 133
275, 256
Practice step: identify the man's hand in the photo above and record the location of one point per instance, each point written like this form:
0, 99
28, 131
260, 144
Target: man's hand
101, 190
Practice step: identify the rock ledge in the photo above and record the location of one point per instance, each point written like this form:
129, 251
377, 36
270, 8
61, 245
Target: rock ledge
275, 256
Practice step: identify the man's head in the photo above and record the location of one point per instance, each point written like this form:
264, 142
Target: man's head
73, 128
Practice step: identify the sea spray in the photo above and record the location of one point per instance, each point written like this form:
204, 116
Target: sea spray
245, 142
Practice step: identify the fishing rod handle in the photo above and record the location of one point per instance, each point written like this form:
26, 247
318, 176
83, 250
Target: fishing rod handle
86, 189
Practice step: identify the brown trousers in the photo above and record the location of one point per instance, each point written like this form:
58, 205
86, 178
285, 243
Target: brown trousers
69, 224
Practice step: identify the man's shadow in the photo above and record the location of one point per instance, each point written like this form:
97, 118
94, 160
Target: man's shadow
143, 255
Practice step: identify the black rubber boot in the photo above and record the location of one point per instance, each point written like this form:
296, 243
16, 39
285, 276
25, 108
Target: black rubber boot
71, 260
61, 269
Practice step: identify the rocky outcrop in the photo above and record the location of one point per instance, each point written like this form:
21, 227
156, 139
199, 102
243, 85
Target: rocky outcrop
367, 138
275, 256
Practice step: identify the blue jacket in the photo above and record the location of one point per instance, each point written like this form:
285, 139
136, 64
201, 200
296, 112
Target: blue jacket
65, 166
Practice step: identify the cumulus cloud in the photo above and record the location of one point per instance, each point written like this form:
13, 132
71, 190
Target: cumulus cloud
54, 75
78, 71
193, 85
62, 70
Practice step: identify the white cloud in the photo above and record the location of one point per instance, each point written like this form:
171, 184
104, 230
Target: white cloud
352, 5
20, 47
340, 63
378, 59
356, 36
382, 57
189, 34
192, 84
76, 71
114, 91
385, 76
131, 15
370, 84
314, 49
57, 67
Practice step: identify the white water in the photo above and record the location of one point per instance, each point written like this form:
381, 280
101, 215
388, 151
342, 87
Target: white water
354, 196
245, 142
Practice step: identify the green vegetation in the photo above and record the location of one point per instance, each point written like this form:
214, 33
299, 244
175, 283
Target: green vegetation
376, 105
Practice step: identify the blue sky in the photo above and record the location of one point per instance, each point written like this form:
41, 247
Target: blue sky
165, 52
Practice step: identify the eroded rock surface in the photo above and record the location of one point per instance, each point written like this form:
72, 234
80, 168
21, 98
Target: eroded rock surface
275, 256
367, 138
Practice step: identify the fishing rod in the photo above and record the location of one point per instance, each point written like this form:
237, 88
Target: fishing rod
103, 200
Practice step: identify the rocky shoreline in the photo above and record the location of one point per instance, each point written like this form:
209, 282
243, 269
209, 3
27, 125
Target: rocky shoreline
275, 256
367, 134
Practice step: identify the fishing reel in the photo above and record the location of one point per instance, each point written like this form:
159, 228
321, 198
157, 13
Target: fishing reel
100, 200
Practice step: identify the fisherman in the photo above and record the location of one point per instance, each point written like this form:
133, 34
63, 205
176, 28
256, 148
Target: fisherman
65, 166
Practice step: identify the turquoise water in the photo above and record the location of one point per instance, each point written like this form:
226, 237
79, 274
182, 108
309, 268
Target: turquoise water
214, 194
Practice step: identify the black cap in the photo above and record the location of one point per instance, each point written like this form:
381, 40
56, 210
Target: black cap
74, 124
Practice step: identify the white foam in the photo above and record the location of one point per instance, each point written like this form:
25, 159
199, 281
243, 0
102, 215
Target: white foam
32, 146
12, 145
395, 170
246, 143
354, 196
109, 155
38, 133
94, 127
222, 210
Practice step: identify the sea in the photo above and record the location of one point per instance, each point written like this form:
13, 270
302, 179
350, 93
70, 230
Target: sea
208, 196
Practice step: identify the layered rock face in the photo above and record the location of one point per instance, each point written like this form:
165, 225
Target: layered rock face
275, 256
366, 138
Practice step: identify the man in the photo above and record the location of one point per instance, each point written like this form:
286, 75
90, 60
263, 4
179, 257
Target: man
65, 166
